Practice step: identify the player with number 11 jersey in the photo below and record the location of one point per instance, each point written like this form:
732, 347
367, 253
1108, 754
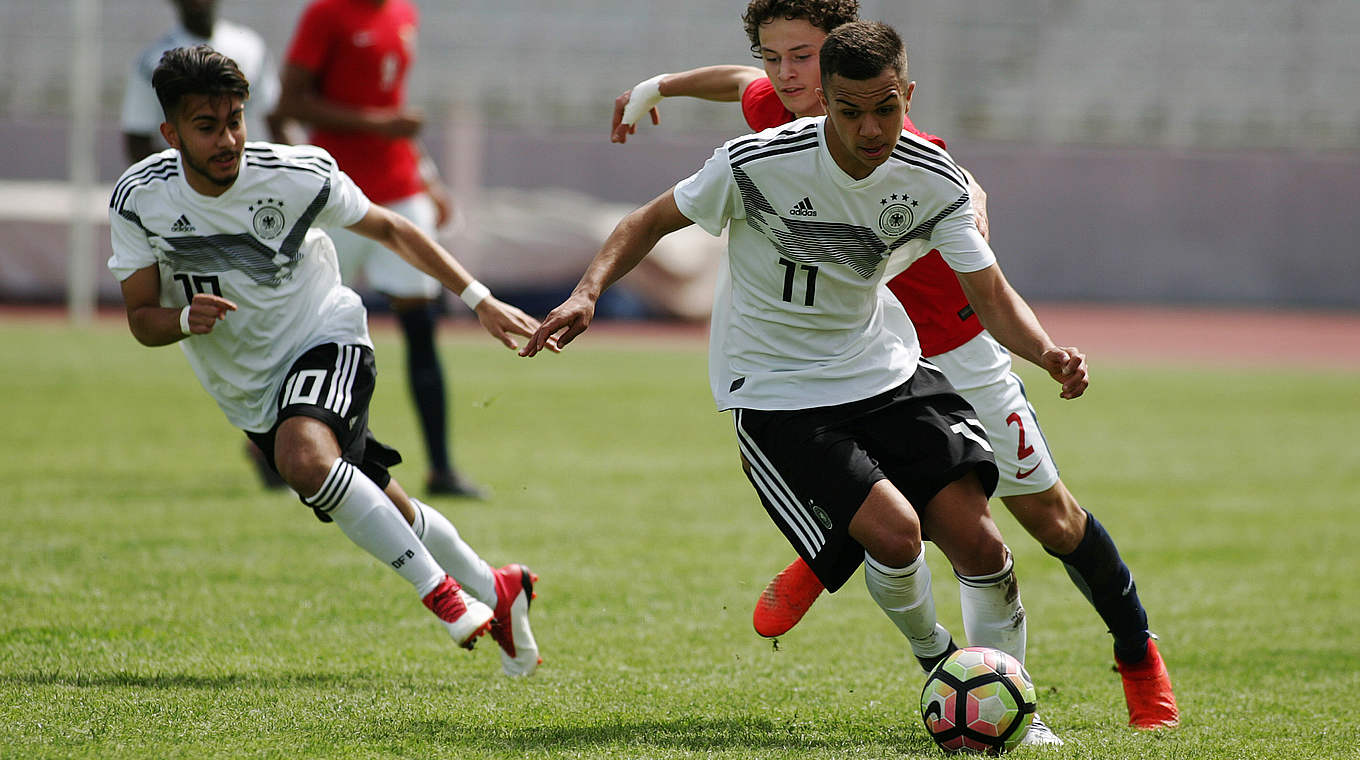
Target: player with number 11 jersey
793, 327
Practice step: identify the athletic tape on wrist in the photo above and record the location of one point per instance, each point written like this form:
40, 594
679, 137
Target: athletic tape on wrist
474, 294
645, 96
184, 321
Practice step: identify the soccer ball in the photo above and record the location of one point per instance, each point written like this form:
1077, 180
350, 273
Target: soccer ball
978, 700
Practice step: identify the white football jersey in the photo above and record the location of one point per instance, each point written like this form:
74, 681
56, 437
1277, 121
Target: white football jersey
259, 245
799, 319
141, 112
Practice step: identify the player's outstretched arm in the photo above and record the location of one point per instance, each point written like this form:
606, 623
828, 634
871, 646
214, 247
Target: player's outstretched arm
630, 242
405, 239
1009, 319
721, 83
155, 325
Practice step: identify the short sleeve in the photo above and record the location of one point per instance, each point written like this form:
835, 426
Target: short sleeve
311, 40
761, 106
907, 125
346, 205
710, 197
141, 113
957, 239
264, 93
132, 250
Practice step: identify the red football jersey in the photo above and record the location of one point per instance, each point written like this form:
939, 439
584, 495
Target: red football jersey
360, 52
928, 290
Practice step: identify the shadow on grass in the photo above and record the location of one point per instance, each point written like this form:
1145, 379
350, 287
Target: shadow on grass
604, 733
174, 680
690, 733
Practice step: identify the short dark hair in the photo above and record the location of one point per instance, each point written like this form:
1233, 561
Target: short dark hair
196, 70
823, 14
862, 50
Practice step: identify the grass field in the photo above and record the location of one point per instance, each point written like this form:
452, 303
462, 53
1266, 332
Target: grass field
156, 603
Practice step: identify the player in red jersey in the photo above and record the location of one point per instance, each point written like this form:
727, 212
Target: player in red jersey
345, 77
787, 35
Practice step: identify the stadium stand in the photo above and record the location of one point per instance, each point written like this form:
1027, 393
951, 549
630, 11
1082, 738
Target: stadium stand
1144, 122
1214, 73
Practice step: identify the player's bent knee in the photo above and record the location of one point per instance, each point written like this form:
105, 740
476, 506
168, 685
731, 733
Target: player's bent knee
1053, 517
981, 551
305, 449
895, 550
304, 474
887, 526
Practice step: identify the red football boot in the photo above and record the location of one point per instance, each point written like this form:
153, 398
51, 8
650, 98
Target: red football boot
510, 629
1147, 690
464, 617
785, 600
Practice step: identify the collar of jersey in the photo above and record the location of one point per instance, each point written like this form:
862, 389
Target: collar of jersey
230, 192
829, 168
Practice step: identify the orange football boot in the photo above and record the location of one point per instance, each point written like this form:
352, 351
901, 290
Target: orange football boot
1147, 691
785, 600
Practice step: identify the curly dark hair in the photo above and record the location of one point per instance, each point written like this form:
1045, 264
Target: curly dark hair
823, 14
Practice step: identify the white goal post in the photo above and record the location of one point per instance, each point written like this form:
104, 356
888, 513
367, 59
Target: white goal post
84, 102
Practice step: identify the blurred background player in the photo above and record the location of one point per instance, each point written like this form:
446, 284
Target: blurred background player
198, 25
345, 77
141, 113
787, 35
218, 245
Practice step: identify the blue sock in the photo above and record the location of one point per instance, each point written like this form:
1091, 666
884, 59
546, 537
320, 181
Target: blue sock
1107, 583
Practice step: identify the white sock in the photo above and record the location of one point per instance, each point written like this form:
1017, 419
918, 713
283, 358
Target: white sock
905, 597
453, 554
992, 614
370, 519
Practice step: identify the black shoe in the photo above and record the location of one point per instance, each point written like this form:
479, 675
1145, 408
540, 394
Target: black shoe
271, 479
450, 483
928, 663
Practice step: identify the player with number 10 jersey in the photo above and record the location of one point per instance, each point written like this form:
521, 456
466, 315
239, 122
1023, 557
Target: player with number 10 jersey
258, 245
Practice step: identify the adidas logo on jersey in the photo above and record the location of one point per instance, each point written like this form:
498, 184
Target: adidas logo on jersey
804, 208
182, 224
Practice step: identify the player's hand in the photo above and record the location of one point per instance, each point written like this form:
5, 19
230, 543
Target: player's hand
401, 124
503, 320
618, 131
1067, 365
561, 326
205, 310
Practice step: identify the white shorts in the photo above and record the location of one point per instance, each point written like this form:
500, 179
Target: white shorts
379, 268
980, 370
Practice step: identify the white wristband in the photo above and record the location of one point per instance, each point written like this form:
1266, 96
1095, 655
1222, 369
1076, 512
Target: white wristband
644, 98
474, 294
184, 321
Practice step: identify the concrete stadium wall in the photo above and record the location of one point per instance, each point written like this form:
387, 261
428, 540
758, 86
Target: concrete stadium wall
1069, 223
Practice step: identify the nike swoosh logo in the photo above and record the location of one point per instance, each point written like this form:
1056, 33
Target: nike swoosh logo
1021, 475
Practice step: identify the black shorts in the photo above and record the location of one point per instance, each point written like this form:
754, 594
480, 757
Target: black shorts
813, 468
334, 384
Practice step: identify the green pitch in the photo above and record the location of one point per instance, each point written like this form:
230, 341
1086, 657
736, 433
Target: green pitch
154, 602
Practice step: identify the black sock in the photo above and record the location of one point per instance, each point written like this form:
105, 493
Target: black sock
426, 377
1107, 583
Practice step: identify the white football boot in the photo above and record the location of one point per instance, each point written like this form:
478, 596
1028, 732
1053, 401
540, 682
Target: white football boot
510, 629
1039, 734
465, 618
